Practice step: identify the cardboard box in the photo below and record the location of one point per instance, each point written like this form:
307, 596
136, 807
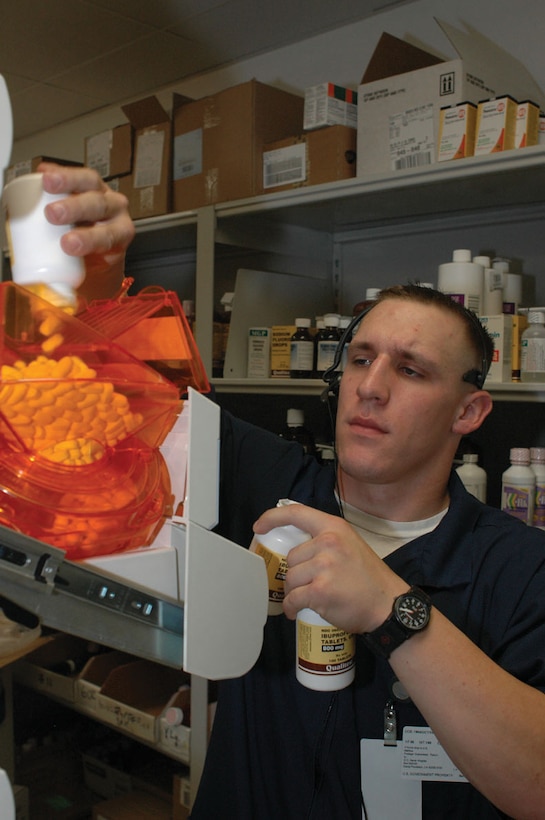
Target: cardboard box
500, 328
325, 155
38, 669
496, 125
29, 166
281, 350
93, 676
520, 323
218, 141
103, 779
330, 104
541, 130
181, 797
527, 124
150, 181
137, 805
404, 88
457, 131
110, 152
135, 694
259, 352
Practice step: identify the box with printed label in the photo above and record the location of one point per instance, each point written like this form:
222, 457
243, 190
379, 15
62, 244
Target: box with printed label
330, 104
281, 350
110, 152
404, 88
29, 166
520, 323
259, 352
496, 125
457, 131
150, 184
500, 328
325, 155
527, 125
218, 141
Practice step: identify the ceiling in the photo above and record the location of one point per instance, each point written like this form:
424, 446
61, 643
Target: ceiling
62, 59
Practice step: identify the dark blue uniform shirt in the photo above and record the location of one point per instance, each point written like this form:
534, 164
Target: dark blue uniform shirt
280, 751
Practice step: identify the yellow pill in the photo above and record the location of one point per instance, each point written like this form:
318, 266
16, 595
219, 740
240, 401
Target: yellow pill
52, 343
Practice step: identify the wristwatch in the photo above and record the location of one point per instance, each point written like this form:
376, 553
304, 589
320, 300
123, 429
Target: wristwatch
410, 614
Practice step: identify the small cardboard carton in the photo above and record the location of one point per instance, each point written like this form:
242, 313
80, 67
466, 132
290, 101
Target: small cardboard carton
325, 155
135, 694
330, 104
527, 126
110, 152
218, 141
48, 668
496, 125
150, 182
404, 88
457, 131
29, 166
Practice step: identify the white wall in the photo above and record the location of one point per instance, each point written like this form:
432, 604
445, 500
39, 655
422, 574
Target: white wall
338, 56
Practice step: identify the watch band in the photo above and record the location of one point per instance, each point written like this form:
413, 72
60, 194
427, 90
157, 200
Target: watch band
392, 633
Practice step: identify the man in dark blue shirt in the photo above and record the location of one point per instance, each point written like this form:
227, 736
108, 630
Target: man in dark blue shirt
446, 717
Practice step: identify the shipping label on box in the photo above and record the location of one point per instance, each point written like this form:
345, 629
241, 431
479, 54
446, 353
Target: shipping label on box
110, 152
330, 104
457, 131
285, 166
500, 328
259, 352
281, 350
128, 718
496, 125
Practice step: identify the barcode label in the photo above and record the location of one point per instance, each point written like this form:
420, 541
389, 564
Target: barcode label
413, 161
283, 166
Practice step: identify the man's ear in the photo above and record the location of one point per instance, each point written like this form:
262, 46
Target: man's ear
472, 411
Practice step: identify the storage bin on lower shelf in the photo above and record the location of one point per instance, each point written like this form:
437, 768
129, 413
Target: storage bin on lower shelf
130, 694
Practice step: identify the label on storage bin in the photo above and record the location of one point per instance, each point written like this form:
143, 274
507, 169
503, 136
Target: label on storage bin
175, 740
137, 723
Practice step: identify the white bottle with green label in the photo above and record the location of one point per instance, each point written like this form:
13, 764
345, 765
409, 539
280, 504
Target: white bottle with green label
518, 486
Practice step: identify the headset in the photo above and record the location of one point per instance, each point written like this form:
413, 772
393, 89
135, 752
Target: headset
332, 376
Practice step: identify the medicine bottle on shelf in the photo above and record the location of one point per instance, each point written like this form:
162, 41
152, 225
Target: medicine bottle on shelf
473, 477
532, 348
302, 351
295, 430
518, 486
371, 295
537, 463
326, 343
463, 280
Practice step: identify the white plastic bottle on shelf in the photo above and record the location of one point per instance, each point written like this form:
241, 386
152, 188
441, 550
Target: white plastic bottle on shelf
492, 287
463, 279
518, 486
532, 348
473, 477
537, 463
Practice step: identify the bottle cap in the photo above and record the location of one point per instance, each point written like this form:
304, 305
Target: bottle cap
302, 322
295, 418
537, 454
174, 716
372, 293
331, 320
470, 458
461, 255
536, 317
521, 455
482, 260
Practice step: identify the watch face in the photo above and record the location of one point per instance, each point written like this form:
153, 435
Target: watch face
412, 611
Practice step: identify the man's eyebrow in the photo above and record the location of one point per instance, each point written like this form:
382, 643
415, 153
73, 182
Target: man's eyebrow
418, 357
